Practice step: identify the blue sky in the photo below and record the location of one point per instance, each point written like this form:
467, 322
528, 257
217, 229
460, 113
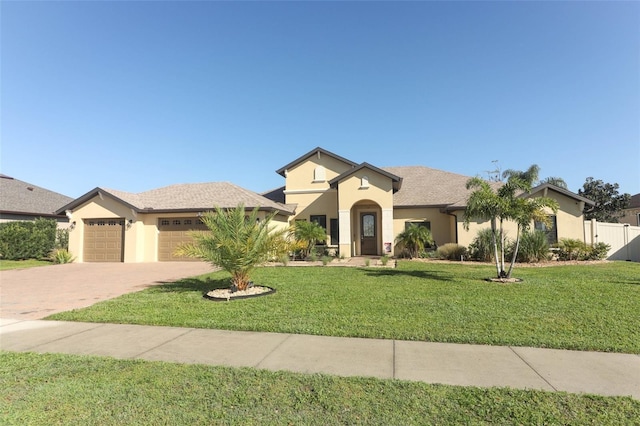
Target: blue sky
139, 95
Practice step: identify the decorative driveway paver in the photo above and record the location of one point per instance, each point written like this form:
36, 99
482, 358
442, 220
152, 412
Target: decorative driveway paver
35, 293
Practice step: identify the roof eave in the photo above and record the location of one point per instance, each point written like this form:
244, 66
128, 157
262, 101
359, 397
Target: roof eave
281, 171
91, 194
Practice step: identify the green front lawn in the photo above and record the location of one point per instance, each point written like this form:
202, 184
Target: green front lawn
583, 307
38, 389
22, 264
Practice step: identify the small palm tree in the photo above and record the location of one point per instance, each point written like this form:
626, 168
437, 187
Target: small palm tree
308, 234
236, 243
415, 238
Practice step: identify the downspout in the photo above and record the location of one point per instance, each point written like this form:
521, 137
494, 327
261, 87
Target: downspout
455, 223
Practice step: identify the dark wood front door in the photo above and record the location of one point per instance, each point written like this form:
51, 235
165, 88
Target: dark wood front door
368, 239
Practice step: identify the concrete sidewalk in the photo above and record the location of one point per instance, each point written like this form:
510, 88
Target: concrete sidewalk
467, 365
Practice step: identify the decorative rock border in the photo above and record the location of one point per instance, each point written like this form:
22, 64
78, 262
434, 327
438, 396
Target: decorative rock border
504, 280
238, 295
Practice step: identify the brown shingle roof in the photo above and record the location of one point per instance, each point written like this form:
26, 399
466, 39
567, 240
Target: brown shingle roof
424, 186
17, 196
189, 197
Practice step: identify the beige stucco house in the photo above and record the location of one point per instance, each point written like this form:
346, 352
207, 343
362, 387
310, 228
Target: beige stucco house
631, 214
362, 207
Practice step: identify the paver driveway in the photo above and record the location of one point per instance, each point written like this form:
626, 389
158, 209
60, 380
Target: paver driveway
37, 292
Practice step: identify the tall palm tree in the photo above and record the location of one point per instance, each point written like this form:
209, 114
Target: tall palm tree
236, 242
524, 211
507, 203
485, 203
557, 181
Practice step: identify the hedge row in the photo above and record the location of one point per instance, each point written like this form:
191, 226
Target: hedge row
28, 239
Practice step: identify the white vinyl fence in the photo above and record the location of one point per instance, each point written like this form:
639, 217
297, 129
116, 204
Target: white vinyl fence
623, 238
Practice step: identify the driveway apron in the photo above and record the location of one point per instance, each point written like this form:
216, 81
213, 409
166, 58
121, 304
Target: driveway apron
35, 293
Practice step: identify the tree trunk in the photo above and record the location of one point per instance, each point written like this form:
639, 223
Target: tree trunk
495, 246
501, 274
515, 253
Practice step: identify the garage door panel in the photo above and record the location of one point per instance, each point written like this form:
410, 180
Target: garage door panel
103, 240
172, 233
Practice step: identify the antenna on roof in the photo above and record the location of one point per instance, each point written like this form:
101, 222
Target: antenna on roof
496, 174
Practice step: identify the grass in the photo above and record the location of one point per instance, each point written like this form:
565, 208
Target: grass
581, 307
22, 264
67, 389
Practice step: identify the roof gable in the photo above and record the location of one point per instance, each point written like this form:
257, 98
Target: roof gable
281, 171
550, 187
397, 180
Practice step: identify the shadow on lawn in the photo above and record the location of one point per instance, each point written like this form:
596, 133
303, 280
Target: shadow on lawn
199, 285
428, 275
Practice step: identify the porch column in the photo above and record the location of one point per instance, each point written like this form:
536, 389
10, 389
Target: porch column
344, 226
387, 231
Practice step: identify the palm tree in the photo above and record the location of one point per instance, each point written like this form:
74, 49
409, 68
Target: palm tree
524, 212
308, 233
507, 203
415, 238
485, 203
556, 181
236, 243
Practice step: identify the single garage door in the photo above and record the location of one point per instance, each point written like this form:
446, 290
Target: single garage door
175, 231
103, 240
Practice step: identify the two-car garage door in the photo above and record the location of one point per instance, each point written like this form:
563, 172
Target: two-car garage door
175, 231
104, 238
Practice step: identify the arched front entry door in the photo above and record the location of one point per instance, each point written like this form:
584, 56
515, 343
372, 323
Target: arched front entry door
368, 234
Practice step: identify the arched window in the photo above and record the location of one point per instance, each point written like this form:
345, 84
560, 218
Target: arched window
319, 174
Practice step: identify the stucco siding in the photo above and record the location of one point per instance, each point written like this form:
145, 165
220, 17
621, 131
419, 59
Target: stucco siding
441, 223
301, 176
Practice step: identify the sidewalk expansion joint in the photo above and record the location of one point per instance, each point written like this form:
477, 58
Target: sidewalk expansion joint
187, 331
97, 325
393, 364
532, 368
272, 351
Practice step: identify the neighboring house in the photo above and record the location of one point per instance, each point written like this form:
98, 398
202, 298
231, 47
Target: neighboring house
24, 201
115, 226
632, 213
362, 207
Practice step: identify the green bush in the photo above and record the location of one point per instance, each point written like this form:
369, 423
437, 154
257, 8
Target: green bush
27, 239
533, 247
481, 248
599, 251
572, 249
451, 251
62, 239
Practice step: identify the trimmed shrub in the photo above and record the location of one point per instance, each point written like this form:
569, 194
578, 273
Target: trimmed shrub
451, 251
27, 239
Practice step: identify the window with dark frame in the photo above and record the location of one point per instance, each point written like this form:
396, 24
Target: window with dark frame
425, 223
551, 232
334, 232
321, 220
